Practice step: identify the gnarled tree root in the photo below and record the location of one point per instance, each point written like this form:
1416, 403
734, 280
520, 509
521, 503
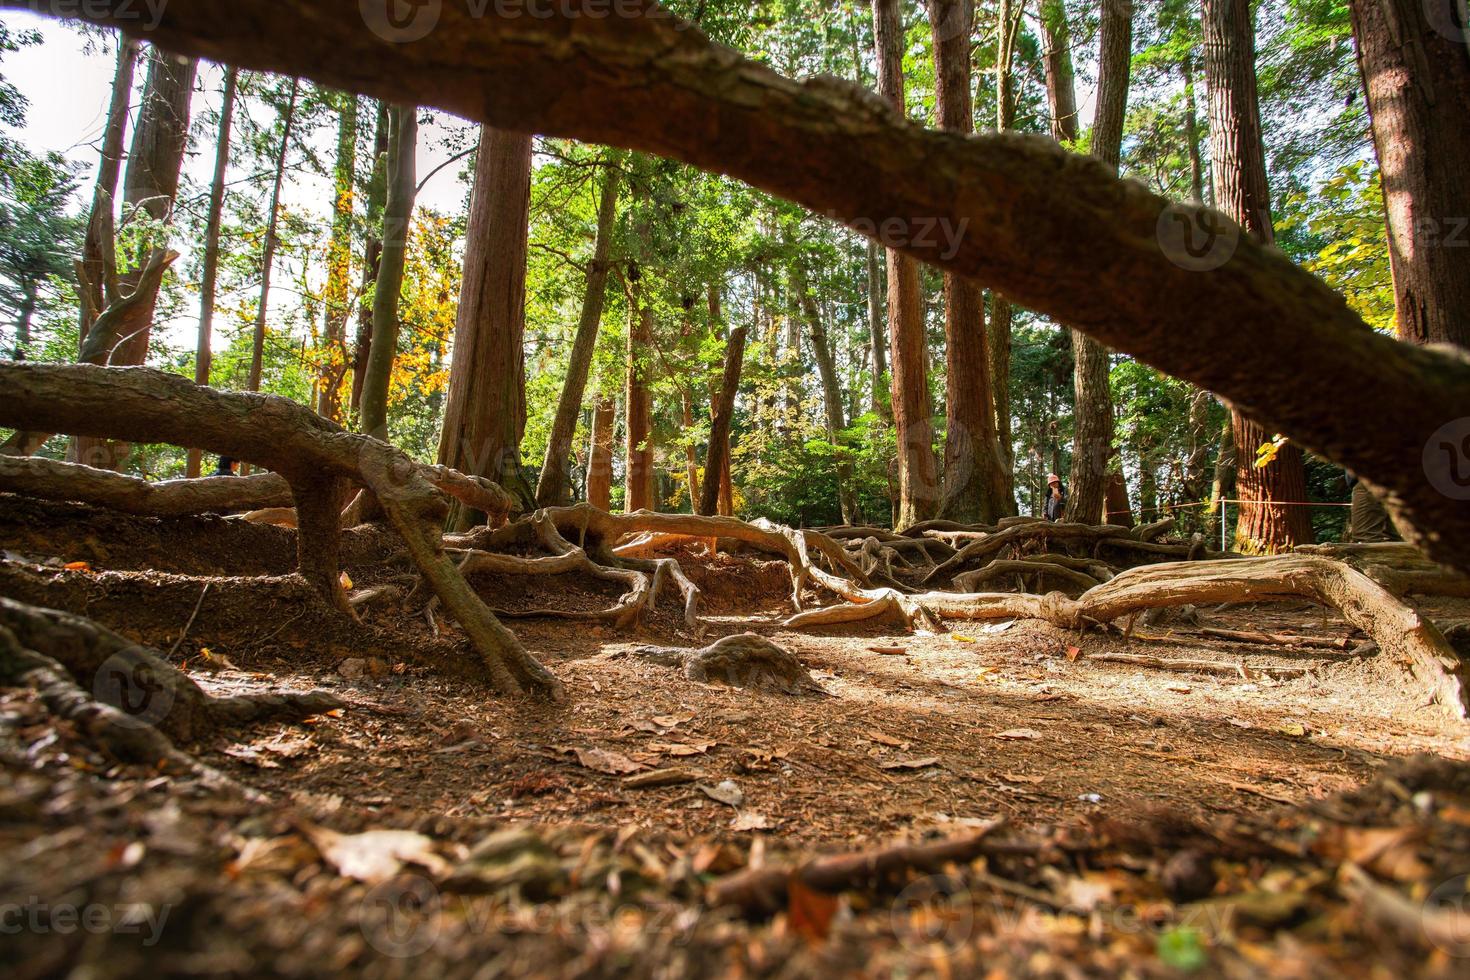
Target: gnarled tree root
1397, 628
317, 458
139, 705
745, 660
51, 479
1400, 568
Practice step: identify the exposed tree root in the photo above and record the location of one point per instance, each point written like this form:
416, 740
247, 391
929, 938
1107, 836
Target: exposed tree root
316, 457
745, 660
1400, 568
1397, 629
1201, 666
1082, 581
51, 479
987, 544
143, 691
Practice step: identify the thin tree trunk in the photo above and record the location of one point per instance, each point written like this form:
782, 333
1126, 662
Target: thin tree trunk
339, 263
1224, 482
210, 279
974, 481
23, 319
1417, 77
97, 247
826, 361
372, 254
998, 330
600, 458
268, 256
918, 481
485, 416
638, 404
552, 488
1239, 158
399, 175
877, 332
1191, 133
717, 459
691, 454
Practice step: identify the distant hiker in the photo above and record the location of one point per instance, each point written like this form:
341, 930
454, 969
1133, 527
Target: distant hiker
1367, 521
1056, 498
226, 466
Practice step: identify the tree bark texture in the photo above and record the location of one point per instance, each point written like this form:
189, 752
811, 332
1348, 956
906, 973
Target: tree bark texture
717, 458
268, 253
97, 246
1417, 77
638, 492
600, 459
1053, 231
333, 368
372, 253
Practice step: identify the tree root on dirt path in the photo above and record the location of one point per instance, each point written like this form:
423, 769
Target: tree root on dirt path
50, 479
1396, 627
744, 660
318, 458
125, 698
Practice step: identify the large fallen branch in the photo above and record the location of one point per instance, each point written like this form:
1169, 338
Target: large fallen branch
1055, 231
51, 479
1400, 568
1396, 627
316, 457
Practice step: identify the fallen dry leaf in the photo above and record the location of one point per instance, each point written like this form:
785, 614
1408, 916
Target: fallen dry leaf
883, 739
671, 721
746, 820
961, 638
375, 855
602, 760
1073, 653
890, 651
726, 792
924, 763
78, 566
1016, 777
1293, 728
809, 912
1019, 733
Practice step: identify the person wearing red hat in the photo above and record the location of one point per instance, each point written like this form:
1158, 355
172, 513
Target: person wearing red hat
1056, 498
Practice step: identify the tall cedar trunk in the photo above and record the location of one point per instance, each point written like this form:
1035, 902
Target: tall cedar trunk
372, 253
209, 281
1196, 463
268, 255
974, 481
1009, 15
552, 488
399, 176
918, 484
600, 456
717, 458
1241, 188
151, 180
638, 403
1191, 133
485, 416
150, 184
691, 452
99, 235
1061, 90
877, 332
826, 360
339, 263
1096, 494
1418, 82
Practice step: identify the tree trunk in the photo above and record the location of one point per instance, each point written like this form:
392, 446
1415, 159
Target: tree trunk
1243, 193
717, 459
691, 453
1224, 482
600, 459
918, 480
877, 332
552, 489
648, 83
372, 254
1416, 71
23, 318
268, 254
339, 263
151, 180
97, 247
209, 281
974, 483
638, 491
1061, 89
821, 346
1191, 133
1009, 15
485, 417
399, 175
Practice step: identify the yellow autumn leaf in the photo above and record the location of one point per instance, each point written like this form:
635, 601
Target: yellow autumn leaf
961, 638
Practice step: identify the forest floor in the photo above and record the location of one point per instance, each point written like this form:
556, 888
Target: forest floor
531, 850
